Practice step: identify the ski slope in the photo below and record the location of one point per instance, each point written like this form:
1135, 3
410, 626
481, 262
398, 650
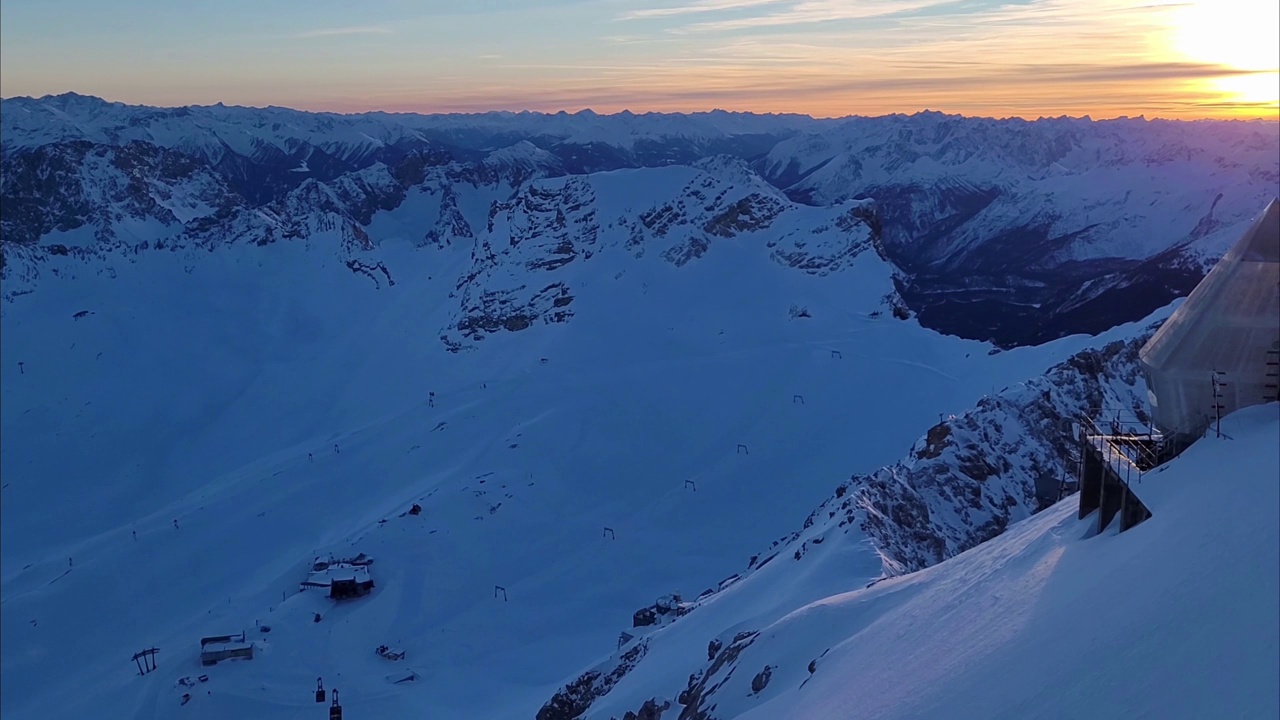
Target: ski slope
1175, 618
277, 407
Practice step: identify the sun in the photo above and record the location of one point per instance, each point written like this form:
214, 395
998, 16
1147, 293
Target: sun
1240, 36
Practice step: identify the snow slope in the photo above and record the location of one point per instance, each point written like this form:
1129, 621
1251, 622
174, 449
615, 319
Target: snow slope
1173, 619
277, 405
965, 481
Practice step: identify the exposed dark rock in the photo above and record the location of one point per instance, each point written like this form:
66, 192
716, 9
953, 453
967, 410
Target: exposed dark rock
372, 272
691, 249
650, 710
574, 699
753, 212
979, 470
822, 251
492, 311
933, 443
704, 683
761, 680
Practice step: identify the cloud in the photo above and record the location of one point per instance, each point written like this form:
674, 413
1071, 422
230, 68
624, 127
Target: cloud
698, 6
347, 30
822, 11
972, 88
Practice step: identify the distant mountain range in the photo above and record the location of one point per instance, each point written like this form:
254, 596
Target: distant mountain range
1010, 231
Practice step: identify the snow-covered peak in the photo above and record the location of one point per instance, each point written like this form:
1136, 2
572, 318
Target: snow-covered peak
523, 160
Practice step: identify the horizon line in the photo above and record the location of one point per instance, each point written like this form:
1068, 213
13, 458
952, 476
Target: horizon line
1143, 116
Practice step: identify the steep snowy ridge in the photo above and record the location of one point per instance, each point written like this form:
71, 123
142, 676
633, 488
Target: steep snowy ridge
552, 228
80, 208
540, 231
969, 479
972, 476
998, 224
283, 143
88, 208
523, 161
62, 188
35, 121
997, 632
78, 117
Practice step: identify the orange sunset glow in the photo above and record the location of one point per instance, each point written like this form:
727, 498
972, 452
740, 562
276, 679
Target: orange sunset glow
1102, 58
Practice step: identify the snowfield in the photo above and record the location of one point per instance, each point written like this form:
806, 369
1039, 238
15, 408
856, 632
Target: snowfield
277, 406
540, 396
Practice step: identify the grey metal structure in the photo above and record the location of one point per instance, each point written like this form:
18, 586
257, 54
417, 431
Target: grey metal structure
1220, 350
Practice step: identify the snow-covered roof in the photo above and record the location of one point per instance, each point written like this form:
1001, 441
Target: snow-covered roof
338, 571
224, 642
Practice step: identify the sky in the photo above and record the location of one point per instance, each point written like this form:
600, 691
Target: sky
827, 58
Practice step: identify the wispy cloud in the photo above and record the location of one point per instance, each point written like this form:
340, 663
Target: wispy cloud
698, 6
347, 30
810, 12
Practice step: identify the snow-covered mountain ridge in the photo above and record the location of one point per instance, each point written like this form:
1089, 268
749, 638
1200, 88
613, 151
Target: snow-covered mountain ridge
1003, 230
267, 151
997, 632
966, 481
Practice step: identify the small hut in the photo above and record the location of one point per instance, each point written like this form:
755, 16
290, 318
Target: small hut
216, 648
357, 584
344, 578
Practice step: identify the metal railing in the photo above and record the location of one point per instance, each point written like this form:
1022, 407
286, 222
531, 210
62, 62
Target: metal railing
1129, 444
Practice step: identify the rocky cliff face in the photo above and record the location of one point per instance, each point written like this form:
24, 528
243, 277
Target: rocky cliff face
973, 475
55, 189
538, 244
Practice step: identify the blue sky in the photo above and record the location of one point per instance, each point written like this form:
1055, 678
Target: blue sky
823, 57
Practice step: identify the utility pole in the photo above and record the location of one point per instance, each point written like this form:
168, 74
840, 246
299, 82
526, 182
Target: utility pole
1217, 401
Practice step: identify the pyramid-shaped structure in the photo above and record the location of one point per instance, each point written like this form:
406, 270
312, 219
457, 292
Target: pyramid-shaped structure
1228, 329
